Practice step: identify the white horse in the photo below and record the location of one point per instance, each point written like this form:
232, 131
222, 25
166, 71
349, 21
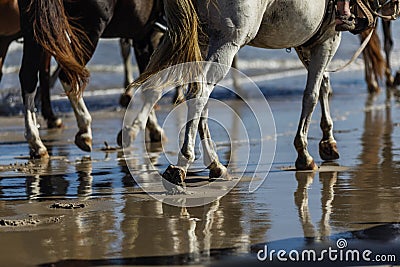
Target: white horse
228, 25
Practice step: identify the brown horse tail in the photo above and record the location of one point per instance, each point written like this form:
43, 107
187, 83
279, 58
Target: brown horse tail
373, 53
180, 44
62, 40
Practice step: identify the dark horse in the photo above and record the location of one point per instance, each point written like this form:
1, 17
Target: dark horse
70, 31
10, 31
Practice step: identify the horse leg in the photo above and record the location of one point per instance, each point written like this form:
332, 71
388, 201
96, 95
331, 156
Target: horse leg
44, 81
143, 52
327, 145
32, 54
83, 139
127, 60
156, 133
4, 44
235, 78
320, 57
128, 134
223, 53
388, 45
217, 170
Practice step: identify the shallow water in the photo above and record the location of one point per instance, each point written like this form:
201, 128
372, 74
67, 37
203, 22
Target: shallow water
118, 224
111, 221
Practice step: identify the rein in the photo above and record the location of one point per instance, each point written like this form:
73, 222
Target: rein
356, 54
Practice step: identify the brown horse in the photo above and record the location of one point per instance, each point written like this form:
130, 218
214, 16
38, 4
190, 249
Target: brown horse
10, 31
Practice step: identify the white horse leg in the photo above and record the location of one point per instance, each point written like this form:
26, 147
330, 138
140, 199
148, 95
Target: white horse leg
320, 57
146, 114
222, 53
36, 146
83, 139
235, 78
327, 145
210, 157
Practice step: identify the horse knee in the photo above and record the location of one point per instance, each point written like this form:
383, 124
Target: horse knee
310, 98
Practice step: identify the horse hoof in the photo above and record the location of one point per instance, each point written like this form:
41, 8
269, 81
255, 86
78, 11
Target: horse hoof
328, 150
125, 99
303, 164
173, 181
126, 136
54, 123
83, 141
217, 170
39, 153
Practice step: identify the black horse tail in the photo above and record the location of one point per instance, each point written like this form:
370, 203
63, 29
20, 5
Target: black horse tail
63, 40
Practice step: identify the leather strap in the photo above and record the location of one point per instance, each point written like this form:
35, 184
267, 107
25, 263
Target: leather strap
366, 11
356, 54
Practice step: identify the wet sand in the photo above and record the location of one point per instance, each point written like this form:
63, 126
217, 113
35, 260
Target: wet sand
85, 209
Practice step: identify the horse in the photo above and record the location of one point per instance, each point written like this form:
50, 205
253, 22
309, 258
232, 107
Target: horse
10, 31
70, 31
226, 26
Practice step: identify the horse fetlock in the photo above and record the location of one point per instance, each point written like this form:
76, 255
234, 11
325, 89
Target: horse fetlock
300, 144
83, 140
37, 150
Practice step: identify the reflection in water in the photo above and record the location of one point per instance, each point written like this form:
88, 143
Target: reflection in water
371, 190
304, 180
85, 178
48, 179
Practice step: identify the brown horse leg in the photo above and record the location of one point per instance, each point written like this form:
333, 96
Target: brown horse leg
388, 45
4, 44
44, 81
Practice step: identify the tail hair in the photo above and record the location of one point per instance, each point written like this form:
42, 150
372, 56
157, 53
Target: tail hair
373, 52
180, 43
54, 31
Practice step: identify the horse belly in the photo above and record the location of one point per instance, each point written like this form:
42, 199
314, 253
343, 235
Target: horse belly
9, 17
289, 23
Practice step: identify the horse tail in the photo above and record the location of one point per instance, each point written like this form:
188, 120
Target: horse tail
374, 54
62, 40
180, 43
